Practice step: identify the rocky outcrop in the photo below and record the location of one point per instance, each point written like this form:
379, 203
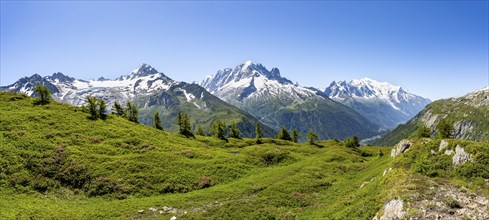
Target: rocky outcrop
401, 147
392, 210
460, 156
443, 144
449, 202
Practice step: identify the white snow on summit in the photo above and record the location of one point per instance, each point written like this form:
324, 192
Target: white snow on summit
253, 80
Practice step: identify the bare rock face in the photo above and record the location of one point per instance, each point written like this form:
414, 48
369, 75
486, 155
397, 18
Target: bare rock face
460, 156
393, 210
401, 147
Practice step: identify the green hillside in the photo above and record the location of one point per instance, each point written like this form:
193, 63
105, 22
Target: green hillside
468, 114
202, 111
56, 163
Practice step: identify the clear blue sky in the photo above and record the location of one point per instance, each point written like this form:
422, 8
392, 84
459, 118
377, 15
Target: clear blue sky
435, 49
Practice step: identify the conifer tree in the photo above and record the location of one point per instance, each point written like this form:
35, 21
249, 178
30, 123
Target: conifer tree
218, 129
43, 93
258, 132
157, 121
92, 107
102, 109
295, 135
312, 136
284, 134
200, 131
117, 109
235, 132
185, 125
132, 112
352, 142
445, 129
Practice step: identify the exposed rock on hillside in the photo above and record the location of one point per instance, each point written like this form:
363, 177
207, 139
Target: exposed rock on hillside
392, 210
460, 156
401, 147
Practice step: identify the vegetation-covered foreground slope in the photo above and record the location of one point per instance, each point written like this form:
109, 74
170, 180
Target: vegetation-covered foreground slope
56, 163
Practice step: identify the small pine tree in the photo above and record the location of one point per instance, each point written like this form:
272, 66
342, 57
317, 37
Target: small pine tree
157, 121
258, 132
43, 93
423, 132
117, 109
445, 129
352, 142
102, 109
312, 136
200, 131
92, 107
185, 125
235, 132
295, 135
131, 112
284, 134
218, 129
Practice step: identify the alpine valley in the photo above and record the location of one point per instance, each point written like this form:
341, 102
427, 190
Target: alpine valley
58, 162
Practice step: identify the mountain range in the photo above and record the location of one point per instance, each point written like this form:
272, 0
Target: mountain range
245, 95
381, 102
278, 102
151, 91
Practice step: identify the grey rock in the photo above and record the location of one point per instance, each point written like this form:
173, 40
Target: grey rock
401, 147
443, 144
448, 152
460, 156
393, 210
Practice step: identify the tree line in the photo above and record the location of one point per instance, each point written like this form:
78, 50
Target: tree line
98, 110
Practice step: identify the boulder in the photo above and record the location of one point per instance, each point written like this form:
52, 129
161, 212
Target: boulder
393, 210
443, 144
401, 147
460, 156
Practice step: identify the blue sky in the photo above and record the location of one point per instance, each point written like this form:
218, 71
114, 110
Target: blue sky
435, 49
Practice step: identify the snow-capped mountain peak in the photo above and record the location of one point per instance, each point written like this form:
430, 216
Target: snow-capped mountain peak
251, 79
143, 70
366, 88
368, 95
142, 81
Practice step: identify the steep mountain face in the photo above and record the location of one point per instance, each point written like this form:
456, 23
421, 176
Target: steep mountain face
384, 104
151, 91
277, 102
469, 115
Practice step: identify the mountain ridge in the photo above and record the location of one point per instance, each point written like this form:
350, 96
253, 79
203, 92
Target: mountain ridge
383, 103
277, 102
144, 84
